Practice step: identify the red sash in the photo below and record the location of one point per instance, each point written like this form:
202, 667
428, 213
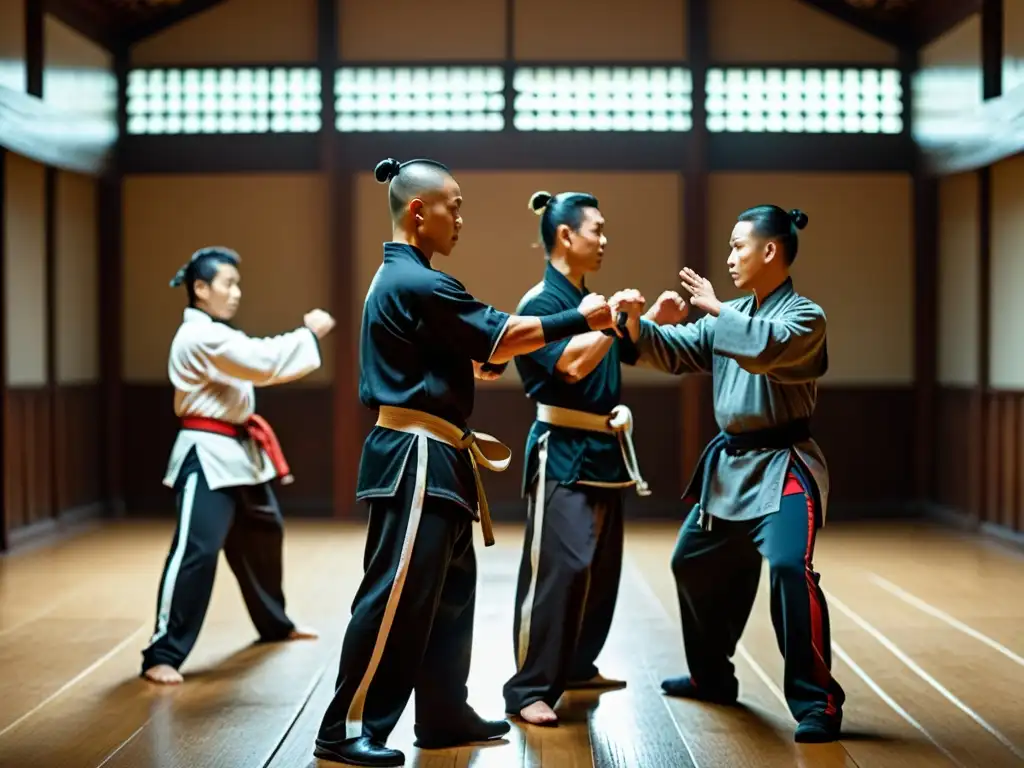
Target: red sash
257, 428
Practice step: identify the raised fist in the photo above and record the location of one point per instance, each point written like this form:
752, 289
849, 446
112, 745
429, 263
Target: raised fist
669, 309
630, 301
598, 312
319, 322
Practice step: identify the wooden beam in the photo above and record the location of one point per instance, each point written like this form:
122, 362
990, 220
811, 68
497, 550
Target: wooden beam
167, 17
34, 48
513, 150
892, 33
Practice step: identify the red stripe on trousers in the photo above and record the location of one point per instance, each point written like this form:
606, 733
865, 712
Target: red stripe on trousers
793, 487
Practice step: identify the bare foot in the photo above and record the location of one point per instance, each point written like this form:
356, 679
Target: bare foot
164, 674
303, 633
539, 713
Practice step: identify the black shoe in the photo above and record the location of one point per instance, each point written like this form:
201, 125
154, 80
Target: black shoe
818, 728
468, 731
359, 751
685, 688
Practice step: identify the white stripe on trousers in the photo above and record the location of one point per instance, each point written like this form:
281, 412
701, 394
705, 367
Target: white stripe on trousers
188, 498
353, 721
537, 525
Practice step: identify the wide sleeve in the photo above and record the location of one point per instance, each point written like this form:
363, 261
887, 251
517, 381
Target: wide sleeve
676, 349
789, 348
262, 361
541, 305
455, 317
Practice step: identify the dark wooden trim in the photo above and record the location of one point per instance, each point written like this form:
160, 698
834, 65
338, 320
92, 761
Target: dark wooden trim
4, 513
513, 150
167, 16
35, 43
694, 163
232, 153
892, 33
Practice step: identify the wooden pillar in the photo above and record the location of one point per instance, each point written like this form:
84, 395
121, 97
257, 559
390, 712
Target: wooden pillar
339, 196
4, 517
925, 191
111, 281
696, 390
992, 68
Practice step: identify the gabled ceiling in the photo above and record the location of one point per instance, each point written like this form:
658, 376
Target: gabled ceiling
117, 23
907, 23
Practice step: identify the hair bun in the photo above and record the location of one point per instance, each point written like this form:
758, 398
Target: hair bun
539, 201
799, 218
386, 170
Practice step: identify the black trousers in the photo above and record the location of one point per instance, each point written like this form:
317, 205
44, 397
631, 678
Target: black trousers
246, 522
716, 575
564, 610
425, 641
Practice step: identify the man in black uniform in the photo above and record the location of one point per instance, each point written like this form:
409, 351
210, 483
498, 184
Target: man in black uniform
412, 618
579, 458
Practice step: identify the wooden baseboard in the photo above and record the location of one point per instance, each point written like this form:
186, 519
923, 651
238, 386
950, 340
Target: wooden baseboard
69, 523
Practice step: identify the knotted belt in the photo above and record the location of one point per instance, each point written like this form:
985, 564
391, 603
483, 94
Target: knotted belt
484, 450
255, 428
619, 423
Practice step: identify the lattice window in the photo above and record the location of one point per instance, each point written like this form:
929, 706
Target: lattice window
603, 99
372, 99
805, 100
229, 100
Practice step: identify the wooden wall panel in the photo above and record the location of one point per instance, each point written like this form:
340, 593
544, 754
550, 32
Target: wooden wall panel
952, 447
301, 416
1013, 44
958, 261
600, 30
862, 279
29, 479
237, 32
12, 45
408, 30
77, 455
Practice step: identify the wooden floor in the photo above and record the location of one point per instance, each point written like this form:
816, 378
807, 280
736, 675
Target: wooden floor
927, 629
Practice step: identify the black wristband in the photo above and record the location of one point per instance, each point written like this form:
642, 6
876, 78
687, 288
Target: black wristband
560, 325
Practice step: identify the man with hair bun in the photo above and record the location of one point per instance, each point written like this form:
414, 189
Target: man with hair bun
579, 460
761, 487
423, 340
223, 461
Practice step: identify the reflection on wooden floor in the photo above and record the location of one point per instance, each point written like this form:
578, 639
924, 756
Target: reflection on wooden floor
928, 634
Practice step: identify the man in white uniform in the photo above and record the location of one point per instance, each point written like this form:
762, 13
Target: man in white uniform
223, 461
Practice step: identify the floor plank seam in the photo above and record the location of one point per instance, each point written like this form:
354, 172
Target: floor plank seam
306, 697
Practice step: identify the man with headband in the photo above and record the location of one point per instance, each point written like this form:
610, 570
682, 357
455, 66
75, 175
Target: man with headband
223, 461
579, 460
423, 338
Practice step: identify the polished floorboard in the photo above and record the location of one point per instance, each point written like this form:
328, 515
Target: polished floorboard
927, 636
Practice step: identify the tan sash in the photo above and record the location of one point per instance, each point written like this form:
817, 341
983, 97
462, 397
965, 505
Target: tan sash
484, 449
619, 422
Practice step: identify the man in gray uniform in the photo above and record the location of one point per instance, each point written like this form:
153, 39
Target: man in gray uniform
761, 486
